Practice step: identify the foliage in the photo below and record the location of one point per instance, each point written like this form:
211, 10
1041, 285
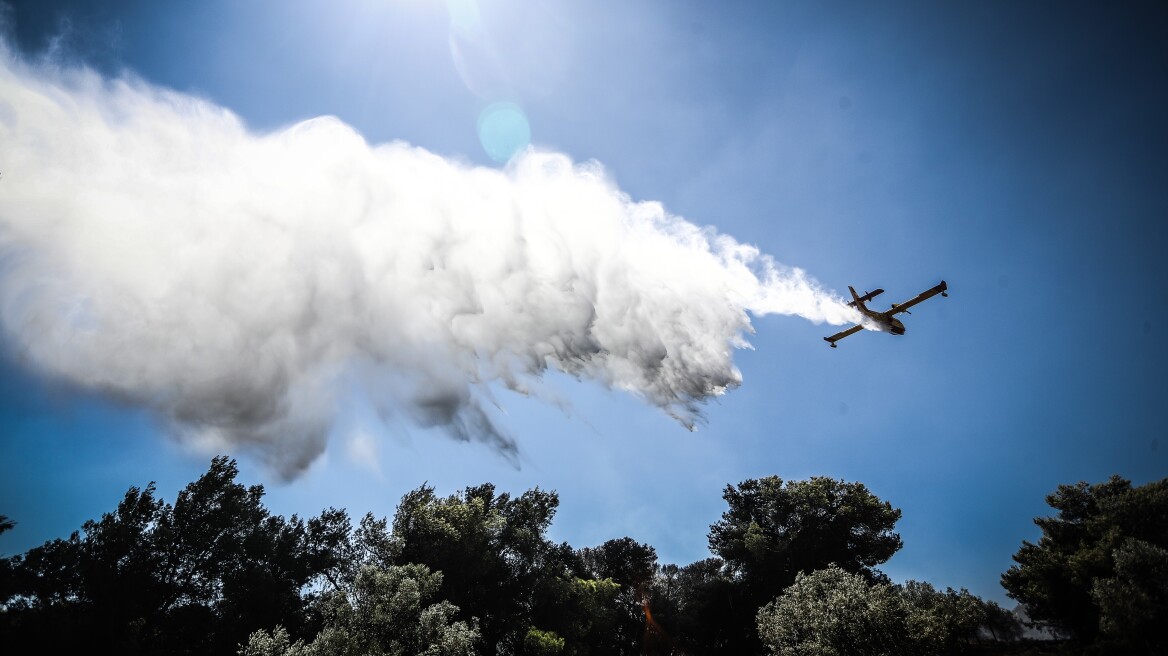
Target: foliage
1133, 604
542, 643
276, 642
386, 612
775, 529
586, 614
942, 622
492, 549
1054, 578
697, 610
506, 573
191, 578
623, 560
1000, 624
217, 573
629, 567
832, 612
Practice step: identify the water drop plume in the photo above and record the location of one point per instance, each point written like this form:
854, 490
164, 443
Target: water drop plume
155, 249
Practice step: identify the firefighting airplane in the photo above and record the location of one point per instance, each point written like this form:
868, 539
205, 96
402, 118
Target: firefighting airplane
883, 321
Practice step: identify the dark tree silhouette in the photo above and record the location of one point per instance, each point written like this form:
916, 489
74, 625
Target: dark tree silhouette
216, 572
491, 549
774, 529
1054, 578
193, 578
630, 565
698, 610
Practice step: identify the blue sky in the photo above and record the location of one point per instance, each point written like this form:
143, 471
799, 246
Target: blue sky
1015, 150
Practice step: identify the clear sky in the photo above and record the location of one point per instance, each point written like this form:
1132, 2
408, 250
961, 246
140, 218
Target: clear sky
1018, 151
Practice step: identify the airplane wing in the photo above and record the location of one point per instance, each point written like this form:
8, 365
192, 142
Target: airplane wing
842, 334
923, 296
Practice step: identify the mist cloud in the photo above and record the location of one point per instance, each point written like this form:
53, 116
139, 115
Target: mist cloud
154, 249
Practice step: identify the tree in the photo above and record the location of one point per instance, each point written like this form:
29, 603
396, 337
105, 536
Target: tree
775, 529
624, 560
231, 567
942, 622
1001, 624
101, 588
276, 642
41, 603
387, 612
528, 594
542, 643
1054, 578
697, 609
491, 549
7, 589
196, 577
630, 566
1133, 604
832, 612
576, 617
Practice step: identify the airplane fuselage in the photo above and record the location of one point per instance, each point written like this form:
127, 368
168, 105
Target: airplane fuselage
884, 323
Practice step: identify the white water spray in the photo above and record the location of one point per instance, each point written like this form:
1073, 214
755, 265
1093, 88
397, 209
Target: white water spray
154, 249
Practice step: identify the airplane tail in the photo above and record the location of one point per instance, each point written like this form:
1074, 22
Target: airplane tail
857, 302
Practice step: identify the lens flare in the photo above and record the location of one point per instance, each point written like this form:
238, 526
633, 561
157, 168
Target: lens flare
503, 130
